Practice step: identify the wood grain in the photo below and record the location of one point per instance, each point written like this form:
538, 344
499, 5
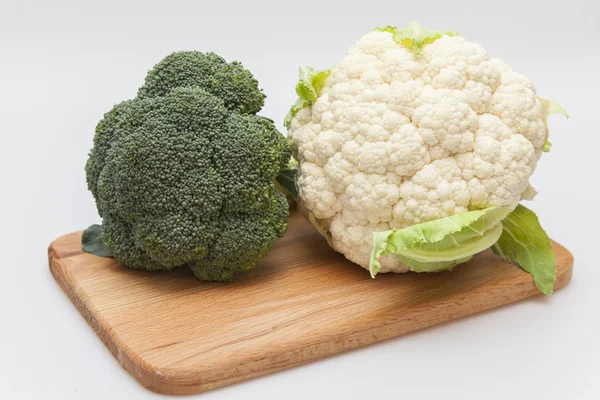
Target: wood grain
177, 335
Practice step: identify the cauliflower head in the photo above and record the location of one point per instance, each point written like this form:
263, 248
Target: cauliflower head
408, 129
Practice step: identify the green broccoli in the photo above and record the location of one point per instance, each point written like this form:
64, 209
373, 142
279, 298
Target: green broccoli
184, 174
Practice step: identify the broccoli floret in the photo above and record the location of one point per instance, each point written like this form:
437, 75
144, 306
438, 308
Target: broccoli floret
230, 82
184, 174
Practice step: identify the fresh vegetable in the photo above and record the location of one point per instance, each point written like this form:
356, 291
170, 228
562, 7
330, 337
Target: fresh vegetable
309, 87
412, 135
184, 174
286, 180
414, 36
442, 243
525, 242
92, 242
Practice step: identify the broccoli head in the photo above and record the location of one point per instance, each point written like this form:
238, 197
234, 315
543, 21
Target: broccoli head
184, 174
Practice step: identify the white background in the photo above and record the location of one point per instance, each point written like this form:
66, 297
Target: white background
62, 65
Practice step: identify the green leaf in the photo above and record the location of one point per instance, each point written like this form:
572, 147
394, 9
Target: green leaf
440, 244
287, 180
434, 266
529, 193
309, 87
414, 37
547, 146
311, 83
388, 28
297, 106
525, 242
551, 107
92, 242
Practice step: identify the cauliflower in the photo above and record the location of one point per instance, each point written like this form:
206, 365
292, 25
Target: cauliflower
412, 126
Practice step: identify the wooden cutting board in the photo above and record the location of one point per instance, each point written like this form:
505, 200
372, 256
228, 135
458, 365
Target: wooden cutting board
303, 302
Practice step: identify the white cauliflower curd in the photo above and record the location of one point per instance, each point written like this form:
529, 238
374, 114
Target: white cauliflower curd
409, 129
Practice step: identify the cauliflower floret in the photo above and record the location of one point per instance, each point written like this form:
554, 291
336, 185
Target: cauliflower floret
353, 233
446, 122
398, 137
436, 191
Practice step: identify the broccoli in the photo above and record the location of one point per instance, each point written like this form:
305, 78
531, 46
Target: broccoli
184, 174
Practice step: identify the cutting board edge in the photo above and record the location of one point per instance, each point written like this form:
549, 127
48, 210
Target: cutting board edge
184, 382
139, 369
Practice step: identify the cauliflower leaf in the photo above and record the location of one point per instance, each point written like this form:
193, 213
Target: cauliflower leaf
433, 266
551, 107
414, 37
311, 83
525, 242
529, 193
440, 244
309, 86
